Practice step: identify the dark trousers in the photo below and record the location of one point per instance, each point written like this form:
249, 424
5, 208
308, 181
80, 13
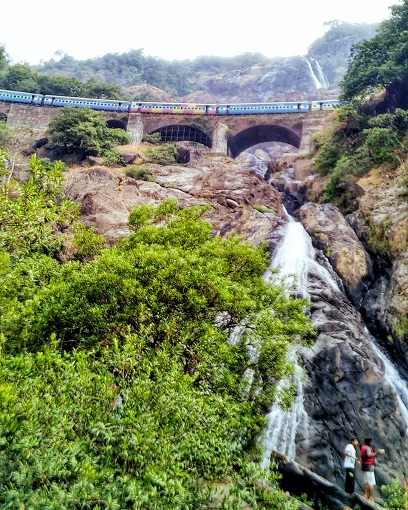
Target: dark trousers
350, 480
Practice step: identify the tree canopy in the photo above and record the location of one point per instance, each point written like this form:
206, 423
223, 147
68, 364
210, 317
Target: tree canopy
382, 60
23, 77
125, 378
84, 131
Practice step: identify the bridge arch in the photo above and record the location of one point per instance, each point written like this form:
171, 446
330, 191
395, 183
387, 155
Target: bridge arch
117, 123
182, 133
261, 134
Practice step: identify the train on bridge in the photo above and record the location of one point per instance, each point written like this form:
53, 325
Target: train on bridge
176, 108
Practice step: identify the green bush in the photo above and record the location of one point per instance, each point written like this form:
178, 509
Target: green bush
119, 385
165, 154
327, 153
380, 142
112, 157
395, 496
153, 138
138, 172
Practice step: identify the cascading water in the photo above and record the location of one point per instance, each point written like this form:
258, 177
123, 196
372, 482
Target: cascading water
282, 426
296, 258
316, 73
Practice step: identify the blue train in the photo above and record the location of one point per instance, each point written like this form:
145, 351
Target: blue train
151, 107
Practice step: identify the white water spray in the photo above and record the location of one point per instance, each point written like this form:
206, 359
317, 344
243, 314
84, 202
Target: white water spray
296, 259
319, 79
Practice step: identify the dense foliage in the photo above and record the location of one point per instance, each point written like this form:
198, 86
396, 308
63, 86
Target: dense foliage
23, 77
356, 143
382, 60
84, 131
395, 496
33, 214
137, 379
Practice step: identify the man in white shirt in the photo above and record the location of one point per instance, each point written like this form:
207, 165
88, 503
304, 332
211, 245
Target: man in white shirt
350, 458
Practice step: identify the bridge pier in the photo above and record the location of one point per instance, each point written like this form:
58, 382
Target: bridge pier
220, 138
313, 123
135, 128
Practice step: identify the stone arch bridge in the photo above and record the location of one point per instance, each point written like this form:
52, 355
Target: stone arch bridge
229, 135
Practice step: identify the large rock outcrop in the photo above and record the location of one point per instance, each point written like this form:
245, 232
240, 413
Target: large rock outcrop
240, 200
381, 222
332, 234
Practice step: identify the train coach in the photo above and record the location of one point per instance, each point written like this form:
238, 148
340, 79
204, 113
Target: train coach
262, 108
173, 108
85, 102
13, 96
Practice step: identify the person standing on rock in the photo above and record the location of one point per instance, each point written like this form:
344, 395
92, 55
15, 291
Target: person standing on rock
368, 456
350, 458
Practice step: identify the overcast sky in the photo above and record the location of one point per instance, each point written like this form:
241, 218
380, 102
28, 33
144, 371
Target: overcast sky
174, 29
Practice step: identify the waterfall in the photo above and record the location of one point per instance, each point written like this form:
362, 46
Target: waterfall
282, 425
320, 79
319, 73
296, 258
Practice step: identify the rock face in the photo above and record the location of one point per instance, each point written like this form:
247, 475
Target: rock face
334, 236
279, 79
381, 221
240, 200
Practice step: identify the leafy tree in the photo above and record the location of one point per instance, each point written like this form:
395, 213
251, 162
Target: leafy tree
20, 77
32, 214
4, 59
84, 131
120, 384
128, 429
61, 86
100, 90
382, 61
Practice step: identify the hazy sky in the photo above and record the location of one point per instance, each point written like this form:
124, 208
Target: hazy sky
174, 30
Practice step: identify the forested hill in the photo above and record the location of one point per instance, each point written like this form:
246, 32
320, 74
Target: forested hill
207, 78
